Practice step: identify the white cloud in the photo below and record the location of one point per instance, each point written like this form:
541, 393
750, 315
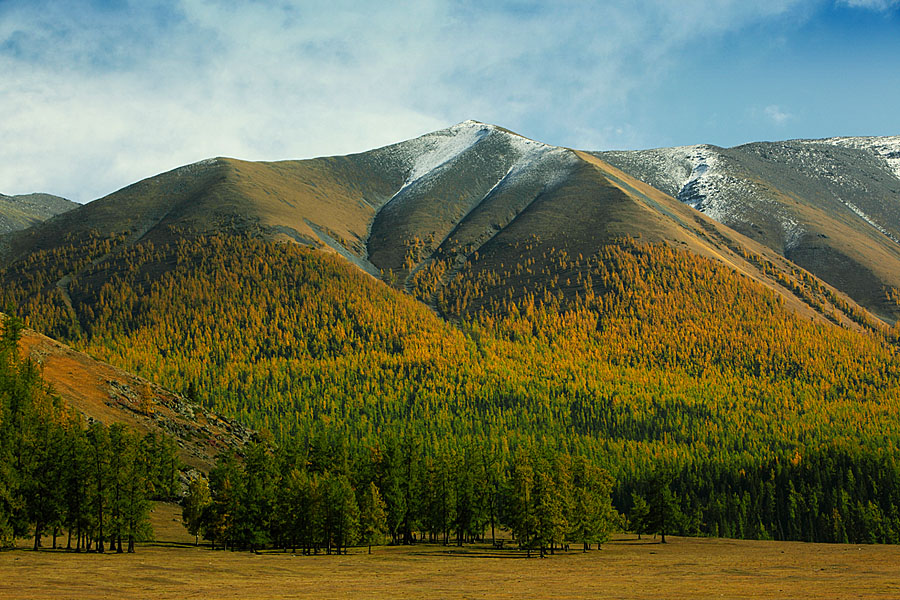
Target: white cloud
877, 5
93, 99
777, 115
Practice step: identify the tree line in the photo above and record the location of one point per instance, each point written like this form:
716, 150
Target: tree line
57, 476
319, 493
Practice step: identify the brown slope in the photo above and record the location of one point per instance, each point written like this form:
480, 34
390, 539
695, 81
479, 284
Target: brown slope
830, 206
472, 192
108, 394
593, 205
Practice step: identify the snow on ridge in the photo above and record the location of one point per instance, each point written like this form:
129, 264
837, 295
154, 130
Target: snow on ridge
726, 198
887, 147
196, 166
551, 163
859, 212
432, 150
424, 156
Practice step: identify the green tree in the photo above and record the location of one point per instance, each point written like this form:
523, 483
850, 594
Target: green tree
99, 458
665, 514
639, 517
341, 513
135, 488
521, 501
194, 506
372, 516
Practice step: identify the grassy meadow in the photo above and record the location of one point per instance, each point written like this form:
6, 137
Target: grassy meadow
625, 568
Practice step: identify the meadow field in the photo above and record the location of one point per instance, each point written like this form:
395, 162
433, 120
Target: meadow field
625, 568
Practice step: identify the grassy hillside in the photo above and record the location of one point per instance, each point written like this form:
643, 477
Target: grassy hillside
101, 392
20, 212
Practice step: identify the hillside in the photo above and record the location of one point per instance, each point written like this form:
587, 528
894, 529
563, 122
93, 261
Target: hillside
417, 212
21, 212
831, 206
535, 295
101, 392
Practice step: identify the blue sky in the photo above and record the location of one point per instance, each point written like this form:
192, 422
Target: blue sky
95, 95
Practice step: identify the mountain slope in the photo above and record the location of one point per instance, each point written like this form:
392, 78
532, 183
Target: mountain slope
521, 294
419, 211
102, 392
21, 212
831, 206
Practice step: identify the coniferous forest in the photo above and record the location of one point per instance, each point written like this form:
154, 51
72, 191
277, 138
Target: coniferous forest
642, 381
58, 474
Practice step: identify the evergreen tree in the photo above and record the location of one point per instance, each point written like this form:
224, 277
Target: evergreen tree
665, 514
135, 488
342, 513
522, 501
99, 470
639, 517
372, 516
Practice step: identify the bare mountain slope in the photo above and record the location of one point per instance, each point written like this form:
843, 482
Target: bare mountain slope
21, 212
479, 196
105, 393
831, 206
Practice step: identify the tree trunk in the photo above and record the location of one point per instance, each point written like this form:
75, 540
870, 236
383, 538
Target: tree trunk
55, 532
370, 548
493, 537
37, 536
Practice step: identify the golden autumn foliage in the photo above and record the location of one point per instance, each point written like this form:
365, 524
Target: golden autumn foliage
636, 355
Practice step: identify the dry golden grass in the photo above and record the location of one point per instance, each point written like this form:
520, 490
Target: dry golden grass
625, 568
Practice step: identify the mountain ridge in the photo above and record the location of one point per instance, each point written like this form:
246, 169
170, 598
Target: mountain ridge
831, 206
24, 210
416, 212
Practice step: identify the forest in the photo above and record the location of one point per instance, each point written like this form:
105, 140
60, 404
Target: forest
694, 389
321, 494
58, 474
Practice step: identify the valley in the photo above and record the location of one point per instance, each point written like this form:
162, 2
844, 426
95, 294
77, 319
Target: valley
625, 568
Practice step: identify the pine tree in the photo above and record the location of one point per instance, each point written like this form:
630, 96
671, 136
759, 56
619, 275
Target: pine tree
99, 459
522, 498
639, 517
135, 503
372, 516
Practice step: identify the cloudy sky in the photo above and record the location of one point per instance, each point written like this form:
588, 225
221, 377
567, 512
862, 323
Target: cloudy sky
95, 95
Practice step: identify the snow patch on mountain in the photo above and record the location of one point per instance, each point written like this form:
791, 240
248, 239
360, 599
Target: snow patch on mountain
534, 159
430, 152
868, 219
701, 177
887, 147
426, 156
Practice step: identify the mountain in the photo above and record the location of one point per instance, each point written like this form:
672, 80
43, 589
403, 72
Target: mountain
20, 212
470, 289
831, 206
467, 197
